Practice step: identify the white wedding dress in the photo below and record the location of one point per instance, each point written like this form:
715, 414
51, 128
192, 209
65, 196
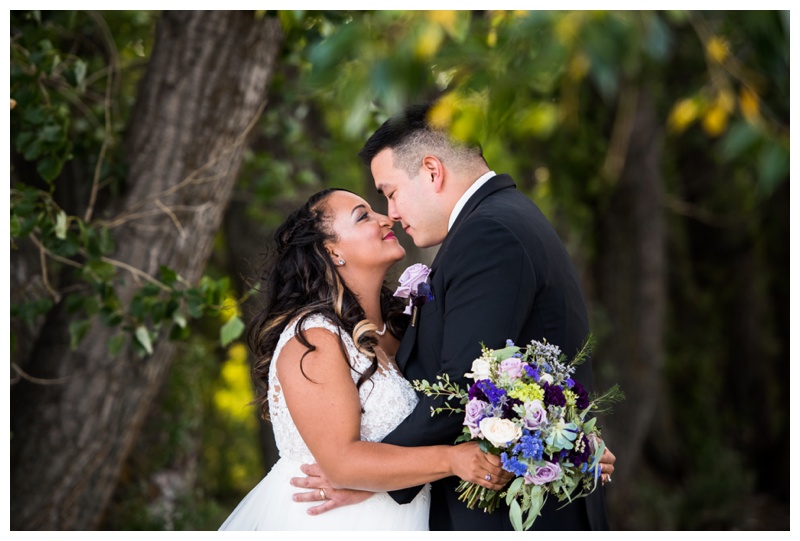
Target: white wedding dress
387, 398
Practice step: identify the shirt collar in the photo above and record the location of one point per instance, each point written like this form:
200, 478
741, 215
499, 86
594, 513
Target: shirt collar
469, 193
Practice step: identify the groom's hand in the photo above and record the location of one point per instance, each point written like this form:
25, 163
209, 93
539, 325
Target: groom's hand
321, 491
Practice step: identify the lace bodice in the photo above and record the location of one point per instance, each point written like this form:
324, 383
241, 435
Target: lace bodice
386, 398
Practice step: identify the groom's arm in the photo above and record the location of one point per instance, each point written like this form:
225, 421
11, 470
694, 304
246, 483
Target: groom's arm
489, 289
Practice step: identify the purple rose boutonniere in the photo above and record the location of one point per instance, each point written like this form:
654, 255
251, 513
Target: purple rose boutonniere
415, 288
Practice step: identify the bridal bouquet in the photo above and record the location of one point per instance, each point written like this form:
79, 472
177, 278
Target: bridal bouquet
525, 407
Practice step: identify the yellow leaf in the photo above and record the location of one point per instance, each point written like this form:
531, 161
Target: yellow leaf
441, 114
715, 121
578, 66
446, 18
683, 114
717, 48
748, 103
491, 38
726, 100
428, 42
230, 308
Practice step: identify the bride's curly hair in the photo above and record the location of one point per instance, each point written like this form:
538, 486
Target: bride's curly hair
301, 281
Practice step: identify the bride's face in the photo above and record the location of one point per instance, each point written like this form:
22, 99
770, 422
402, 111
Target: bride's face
365, 240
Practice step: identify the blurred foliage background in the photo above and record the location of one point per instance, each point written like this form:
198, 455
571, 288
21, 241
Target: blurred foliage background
656, 142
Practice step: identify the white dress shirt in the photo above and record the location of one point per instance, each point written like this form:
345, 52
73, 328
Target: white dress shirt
469, 193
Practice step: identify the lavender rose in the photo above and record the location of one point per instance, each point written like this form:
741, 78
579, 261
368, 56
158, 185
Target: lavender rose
410, 280
512, 367
544, 474
535, 415
476, 411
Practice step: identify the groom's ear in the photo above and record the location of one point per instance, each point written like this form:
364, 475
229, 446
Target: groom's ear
434, 172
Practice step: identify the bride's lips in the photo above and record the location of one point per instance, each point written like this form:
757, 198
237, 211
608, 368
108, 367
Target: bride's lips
389, 236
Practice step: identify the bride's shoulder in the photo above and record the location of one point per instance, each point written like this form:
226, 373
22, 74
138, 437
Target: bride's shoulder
307, 322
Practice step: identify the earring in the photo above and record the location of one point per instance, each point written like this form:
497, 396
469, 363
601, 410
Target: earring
341, 262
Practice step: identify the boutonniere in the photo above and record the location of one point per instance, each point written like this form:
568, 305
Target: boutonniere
415, 288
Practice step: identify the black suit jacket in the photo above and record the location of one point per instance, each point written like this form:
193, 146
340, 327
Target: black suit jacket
501, 273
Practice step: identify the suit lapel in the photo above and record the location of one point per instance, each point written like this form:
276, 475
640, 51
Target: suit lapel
494, 184
497, 182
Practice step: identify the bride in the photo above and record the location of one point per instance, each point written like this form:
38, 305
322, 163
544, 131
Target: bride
325, 370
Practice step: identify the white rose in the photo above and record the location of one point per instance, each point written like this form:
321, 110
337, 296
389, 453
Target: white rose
546, 378
500, 432
480, 369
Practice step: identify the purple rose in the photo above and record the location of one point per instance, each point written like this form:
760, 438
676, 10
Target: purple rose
410, 280
543, 474
535, 415
512, 367
476, 410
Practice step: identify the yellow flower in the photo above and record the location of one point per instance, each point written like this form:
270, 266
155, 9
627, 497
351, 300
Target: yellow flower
570, 396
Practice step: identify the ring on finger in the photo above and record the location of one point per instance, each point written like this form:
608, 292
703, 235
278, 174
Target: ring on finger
488, 477
322, 494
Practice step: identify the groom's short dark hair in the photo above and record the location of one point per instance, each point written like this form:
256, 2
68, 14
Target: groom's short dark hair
409, 134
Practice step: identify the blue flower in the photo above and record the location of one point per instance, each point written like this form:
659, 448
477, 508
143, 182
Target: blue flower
511, 464
532, 372
493, 395
530, 445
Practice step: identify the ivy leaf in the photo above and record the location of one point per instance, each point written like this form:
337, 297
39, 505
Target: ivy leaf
143, 337
231, 331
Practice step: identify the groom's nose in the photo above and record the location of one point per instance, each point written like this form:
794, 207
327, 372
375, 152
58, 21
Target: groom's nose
392, 212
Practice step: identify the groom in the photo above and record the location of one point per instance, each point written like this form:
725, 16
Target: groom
501, 273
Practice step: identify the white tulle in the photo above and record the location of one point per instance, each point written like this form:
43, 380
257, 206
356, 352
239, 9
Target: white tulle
387, 398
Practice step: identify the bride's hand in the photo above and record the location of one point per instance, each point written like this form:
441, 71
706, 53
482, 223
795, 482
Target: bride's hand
322, 492
607, 465
471, 464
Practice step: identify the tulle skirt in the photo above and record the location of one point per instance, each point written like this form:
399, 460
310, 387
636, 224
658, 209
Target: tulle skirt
269, 506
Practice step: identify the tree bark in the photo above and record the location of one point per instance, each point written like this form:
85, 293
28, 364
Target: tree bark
630, 292
205, 86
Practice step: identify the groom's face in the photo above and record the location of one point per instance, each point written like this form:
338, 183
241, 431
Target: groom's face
411, 201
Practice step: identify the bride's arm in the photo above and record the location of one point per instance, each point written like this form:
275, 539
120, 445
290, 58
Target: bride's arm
325, 407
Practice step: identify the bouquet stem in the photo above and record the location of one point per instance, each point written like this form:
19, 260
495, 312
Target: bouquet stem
473, 494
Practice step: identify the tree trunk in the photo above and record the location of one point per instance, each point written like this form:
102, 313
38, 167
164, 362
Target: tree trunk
630, 291
205, 85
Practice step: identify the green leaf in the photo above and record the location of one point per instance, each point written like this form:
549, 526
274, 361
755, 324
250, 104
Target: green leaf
16, 226
143, 337
115, 344
77, 330
514, 489
231, 331
515, 514
49, 167
179, 319
79, 72
168, 276
773, 167
61, 225
738, 140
